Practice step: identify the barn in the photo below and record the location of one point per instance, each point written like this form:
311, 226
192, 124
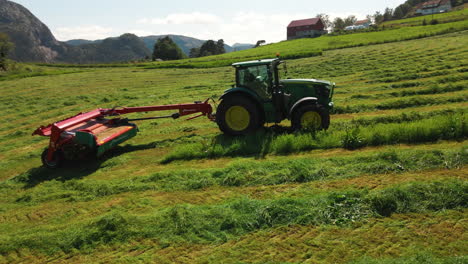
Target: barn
306, 28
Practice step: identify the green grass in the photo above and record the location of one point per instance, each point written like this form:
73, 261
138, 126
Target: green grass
313, 47
453, 126
457, 15
220, 223
386, 183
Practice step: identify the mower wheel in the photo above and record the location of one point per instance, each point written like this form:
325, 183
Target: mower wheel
238, 115
311, 117
55, 163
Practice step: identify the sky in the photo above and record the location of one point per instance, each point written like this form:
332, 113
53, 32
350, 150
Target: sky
235, 21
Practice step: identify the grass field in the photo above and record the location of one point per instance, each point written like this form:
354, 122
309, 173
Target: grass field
387, 183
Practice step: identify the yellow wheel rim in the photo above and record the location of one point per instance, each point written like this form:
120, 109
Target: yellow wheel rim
237, 118
311, 119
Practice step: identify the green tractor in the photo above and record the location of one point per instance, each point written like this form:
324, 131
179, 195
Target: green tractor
260, 97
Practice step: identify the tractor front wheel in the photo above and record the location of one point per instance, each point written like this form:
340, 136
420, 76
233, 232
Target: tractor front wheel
56, 161
237, 115
311, 117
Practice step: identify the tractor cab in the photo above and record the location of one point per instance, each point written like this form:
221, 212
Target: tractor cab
258, 76
260, 96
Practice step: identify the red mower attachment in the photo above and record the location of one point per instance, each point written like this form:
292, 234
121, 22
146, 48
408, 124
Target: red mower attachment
95, 132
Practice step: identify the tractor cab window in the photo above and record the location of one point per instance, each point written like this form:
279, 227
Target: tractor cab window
256, 78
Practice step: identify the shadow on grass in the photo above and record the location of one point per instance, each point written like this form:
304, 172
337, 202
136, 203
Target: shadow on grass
256, 145
77, 169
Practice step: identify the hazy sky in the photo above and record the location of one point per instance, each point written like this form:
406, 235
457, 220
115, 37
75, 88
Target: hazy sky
243, 21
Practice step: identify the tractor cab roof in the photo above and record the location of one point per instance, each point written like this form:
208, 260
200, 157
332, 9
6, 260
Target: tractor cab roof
254, 63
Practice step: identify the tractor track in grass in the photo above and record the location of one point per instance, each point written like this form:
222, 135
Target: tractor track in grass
319, 209
43, 213
399, 235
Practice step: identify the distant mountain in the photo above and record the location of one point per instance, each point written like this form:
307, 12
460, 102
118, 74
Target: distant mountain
127, 47
242, 46
185, 43
77, 42
34, 42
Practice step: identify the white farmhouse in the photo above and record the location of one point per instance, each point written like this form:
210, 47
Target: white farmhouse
433, 7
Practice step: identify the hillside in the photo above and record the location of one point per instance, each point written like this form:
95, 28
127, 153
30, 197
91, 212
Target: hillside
33, 39
387, 183
34, 42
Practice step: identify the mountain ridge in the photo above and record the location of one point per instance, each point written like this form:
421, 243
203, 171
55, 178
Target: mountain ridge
184, 42
34, 41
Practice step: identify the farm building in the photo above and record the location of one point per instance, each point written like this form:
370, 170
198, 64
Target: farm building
306, 28
433, 7
360, 24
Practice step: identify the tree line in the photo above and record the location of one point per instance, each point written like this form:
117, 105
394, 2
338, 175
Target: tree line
166, 49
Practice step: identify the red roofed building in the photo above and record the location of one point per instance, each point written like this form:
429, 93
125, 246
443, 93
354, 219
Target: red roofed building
365, 23
433, 7
306, 28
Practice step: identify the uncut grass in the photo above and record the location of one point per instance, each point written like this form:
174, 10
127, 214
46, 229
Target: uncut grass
425, 130
219, 223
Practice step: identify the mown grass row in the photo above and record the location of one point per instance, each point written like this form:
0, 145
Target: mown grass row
396, 118
398, 104
245, 173
419, 258
433, 89
449, 127
222, 222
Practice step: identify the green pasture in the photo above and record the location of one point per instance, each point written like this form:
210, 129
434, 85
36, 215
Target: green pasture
387, 183
458, 14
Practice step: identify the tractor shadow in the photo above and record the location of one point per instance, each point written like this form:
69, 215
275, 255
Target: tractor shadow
78, 169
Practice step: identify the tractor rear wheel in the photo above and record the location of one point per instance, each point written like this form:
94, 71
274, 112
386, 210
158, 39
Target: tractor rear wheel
311, 117
56, 161
237, 115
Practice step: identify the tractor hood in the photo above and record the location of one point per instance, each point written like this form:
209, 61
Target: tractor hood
308, 81
301, 88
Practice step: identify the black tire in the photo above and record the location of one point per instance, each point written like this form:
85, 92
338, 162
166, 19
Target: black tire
55, 163
321, 111
245, 105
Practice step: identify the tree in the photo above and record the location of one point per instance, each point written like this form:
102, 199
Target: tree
210, 47
166, 49
387, 14
325, 20
194, 52
220, 47
401, 11
350, 20
5, 47
259, 43
338, 24
378, 17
